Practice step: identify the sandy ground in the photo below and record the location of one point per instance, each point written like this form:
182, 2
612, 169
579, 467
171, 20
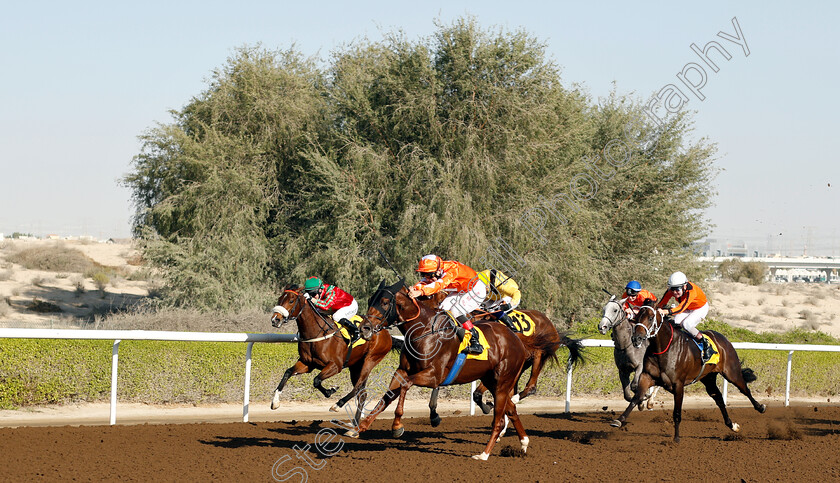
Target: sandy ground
770, 307
20, 286
776, 307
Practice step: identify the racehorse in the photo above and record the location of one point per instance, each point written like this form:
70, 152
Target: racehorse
319, 348
628, 358
431, 352
673, 361
541, 341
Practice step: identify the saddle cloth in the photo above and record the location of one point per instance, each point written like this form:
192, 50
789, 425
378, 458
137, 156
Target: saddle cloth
356, 320
716, 356
524, 324
466, 342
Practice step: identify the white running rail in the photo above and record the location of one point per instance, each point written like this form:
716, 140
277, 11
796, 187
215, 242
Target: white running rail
250, 339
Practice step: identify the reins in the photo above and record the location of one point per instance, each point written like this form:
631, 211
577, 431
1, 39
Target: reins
318, 316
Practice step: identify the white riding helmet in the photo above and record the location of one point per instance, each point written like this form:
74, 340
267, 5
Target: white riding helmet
677, 279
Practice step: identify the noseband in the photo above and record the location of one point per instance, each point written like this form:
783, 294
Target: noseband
622, 316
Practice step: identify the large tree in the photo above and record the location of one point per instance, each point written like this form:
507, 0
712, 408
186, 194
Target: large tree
456, 144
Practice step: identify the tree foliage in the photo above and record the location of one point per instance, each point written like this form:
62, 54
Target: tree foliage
443, 145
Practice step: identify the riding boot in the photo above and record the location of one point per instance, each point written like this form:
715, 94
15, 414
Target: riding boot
355, 334
475, 345
708, 351
505, 318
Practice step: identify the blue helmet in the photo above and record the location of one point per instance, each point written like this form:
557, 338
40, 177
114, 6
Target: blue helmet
633, 287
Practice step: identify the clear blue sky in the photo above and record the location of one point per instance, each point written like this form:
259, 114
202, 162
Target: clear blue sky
81, 80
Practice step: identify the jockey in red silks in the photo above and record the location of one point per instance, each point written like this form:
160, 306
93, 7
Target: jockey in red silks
437, 275
331, 298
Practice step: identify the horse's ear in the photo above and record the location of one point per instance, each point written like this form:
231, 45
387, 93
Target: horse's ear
381, 284
612, 297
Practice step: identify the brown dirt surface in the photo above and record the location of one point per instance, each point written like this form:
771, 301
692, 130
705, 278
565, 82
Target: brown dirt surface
784, 444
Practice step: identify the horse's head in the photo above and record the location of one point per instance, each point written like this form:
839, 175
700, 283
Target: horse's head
648, 323
613, 315
288, 307
382, 309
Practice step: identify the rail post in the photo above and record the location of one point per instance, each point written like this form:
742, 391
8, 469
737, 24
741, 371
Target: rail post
115, 360
569, 385
245, 401
787, 383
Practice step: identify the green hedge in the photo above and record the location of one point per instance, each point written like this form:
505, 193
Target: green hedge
42, 371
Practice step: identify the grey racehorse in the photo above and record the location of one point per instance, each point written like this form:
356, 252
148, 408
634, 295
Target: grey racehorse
628, 358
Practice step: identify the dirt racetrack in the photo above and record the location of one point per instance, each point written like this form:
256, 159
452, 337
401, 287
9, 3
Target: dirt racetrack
784, 444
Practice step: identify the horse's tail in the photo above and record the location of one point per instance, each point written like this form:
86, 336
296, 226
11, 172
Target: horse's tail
397, 345
576, 351
749, 375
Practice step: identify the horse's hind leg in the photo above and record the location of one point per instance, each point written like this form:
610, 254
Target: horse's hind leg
679, 392
478, 397
434, 418
517, 424
298, 368
624, 377
531, 386
710, 381
735, 375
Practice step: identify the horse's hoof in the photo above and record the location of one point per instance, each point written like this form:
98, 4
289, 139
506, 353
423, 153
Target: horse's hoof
334, 408
352, 433
275, 401
482, 456
398, 432
615, 423
524, 442
736, 427
676, 439
515, 399
762, 408
435, 420
487, 407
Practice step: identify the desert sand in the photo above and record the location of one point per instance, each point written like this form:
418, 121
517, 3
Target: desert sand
771, 307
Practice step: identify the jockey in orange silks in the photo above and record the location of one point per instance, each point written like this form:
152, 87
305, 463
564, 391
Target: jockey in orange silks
468, 291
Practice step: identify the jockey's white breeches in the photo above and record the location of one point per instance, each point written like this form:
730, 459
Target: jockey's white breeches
346, 312
463, 303
690, 318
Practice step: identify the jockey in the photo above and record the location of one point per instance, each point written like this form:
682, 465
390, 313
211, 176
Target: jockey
692, 307
634, 297
503, 295
438, 275
329, 297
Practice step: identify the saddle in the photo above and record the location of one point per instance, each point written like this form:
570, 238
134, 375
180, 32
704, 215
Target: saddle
356, 320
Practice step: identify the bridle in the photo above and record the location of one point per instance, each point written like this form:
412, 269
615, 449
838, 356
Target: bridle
390, 317
323, 324
622, 316
650, 332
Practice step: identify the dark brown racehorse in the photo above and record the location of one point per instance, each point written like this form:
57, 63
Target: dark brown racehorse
431, 349
321, 346
673, 361
541, 345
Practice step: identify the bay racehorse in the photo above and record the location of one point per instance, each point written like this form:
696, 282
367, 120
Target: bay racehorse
673, 361
430, 353
629, 359
541, 340
321, 346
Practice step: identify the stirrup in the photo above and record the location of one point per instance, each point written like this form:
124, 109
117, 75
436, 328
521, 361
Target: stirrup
475, 346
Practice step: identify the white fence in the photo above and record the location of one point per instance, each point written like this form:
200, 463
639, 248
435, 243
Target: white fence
119, 335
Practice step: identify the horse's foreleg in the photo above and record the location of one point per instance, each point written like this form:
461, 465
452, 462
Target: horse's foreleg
644, 383
397, 428
517, 424
434, 418
710, 381
358, 376
502, 395
679, 392
399, 383
327, 372
624, 377
298, 368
